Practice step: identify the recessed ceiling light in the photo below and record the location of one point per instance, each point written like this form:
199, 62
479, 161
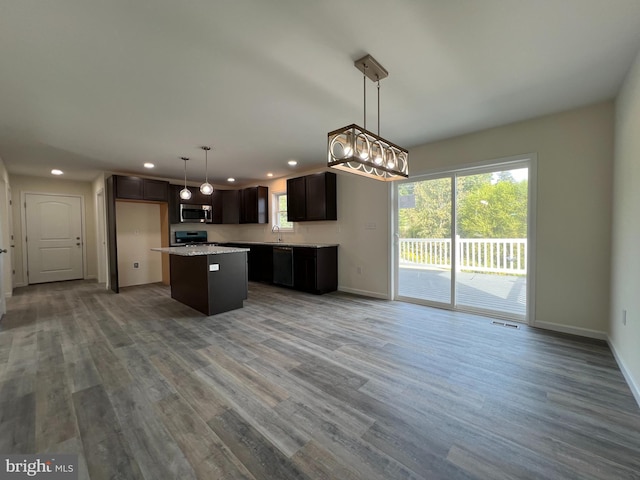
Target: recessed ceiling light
293, 163
269, 174
231, 179
55, 171
149, 165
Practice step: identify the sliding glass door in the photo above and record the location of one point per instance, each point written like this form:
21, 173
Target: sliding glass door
463, 240
425, 228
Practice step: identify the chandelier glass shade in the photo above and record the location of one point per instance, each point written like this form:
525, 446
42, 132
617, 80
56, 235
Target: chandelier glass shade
185, 193
357, 150
206, 188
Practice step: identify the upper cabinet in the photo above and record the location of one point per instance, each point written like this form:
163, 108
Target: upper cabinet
312, 197
254, 205
197, 198
138, 188
226, 206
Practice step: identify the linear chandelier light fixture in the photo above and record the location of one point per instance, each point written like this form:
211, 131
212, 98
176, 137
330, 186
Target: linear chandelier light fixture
206, 188
185, 193
357, 150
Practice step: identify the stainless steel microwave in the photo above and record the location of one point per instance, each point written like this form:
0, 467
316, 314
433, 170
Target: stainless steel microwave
195, 213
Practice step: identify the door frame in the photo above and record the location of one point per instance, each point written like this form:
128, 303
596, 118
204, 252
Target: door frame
101, 226
23, 227
531, 161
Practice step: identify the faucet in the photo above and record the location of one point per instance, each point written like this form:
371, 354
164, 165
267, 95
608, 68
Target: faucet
273, 229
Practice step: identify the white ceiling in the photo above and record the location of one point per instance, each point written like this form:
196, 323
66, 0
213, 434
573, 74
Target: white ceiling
90, 85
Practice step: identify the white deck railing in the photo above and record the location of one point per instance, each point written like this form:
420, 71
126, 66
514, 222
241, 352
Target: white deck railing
493, 255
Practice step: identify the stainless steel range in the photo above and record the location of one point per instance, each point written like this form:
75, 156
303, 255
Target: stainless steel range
193, 237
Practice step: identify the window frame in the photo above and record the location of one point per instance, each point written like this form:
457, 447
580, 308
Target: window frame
276, 213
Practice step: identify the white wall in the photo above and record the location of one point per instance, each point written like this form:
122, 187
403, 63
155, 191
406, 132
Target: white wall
138, 230
625, 284
20, 184
99, 195
5, 228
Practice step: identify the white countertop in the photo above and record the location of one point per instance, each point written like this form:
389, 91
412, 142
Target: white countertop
194, 250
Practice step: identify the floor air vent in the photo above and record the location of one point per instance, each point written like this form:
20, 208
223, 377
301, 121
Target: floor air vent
505, 324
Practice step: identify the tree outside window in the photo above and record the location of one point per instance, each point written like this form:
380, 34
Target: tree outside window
280, 212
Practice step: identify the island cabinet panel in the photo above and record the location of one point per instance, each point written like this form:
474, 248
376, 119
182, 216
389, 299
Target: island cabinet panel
315, 270
226, 206
138, 188
312, 198
211, 284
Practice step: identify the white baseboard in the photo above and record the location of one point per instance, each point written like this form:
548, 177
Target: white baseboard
635, 389
583, 332
364, 293
19, 284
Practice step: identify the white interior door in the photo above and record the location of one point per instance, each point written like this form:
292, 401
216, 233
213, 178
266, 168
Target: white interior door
54, 237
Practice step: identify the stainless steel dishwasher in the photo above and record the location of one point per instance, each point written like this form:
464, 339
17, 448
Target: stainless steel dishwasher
283, 266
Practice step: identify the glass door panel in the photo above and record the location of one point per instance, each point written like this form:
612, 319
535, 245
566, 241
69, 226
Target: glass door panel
491, 242
424, 244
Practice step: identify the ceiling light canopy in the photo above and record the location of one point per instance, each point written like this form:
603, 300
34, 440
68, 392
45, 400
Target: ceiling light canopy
206, 188
149, 165
55, 171
185, 193
357, 150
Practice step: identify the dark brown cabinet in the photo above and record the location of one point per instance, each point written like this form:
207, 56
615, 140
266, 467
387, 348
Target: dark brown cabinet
226, 206
315, 270
296, 199
312, 198
197, 198
260, 260
138, 188
254, 205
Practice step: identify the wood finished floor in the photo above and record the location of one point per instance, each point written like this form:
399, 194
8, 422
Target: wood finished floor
296, 386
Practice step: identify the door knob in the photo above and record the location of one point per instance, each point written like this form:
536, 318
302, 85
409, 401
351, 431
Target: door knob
78, 244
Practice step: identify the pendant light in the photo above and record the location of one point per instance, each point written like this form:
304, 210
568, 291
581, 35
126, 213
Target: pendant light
185, 193
206, 188
356, 150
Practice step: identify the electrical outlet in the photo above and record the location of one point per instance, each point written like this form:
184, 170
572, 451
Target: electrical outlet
136, 265
624, 317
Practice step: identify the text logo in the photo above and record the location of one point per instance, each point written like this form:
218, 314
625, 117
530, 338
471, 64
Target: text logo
41, 466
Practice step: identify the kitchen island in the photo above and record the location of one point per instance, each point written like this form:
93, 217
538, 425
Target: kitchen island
209, 278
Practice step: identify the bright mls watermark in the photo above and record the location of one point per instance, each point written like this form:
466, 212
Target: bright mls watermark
62, 466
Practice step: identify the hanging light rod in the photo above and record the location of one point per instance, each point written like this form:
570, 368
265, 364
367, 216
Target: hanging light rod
357, 150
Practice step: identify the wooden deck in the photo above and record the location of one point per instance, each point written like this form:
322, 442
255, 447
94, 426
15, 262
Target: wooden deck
500, 293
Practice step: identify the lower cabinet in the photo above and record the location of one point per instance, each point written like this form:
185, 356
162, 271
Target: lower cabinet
315, 270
